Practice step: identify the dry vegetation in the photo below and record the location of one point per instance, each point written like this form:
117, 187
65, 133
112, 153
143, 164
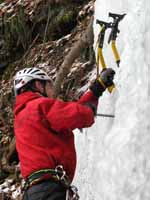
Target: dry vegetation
54, 35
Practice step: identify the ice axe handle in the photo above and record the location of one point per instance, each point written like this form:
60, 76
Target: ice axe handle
110, 88
115, 52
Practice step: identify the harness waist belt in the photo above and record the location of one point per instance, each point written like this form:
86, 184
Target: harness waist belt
57, 174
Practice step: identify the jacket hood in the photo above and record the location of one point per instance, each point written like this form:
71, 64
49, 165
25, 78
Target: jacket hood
23, 99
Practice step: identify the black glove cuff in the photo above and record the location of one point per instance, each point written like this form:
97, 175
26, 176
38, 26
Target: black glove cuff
97, 89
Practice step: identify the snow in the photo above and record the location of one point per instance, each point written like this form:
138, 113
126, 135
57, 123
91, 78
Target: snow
113, 155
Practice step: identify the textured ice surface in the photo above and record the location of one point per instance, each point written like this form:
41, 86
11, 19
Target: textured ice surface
114, 155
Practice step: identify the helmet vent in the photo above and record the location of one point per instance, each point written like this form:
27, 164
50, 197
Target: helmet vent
35, 71
18, 81
30, 70
41, 74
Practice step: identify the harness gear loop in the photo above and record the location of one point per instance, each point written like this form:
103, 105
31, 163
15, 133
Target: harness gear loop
60, 172
72, 191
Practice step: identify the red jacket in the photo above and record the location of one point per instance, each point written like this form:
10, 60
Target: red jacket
36, 117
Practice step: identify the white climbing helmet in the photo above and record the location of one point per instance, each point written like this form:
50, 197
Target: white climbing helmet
26, 75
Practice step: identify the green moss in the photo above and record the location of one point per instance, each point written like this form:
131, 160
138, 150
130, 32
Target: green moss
16, 34
53, 22
60, 21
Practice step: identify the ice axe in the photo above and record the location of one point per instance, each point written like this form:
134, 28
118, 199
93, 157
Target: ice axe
112, 38
113, 34
100, 58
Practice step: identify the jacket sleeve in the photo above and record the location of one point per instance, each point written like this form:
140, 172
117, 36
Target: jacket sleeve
90, 98
69, 115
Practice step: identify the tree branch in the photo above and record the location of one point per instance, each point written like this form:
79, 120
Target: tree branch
86, 39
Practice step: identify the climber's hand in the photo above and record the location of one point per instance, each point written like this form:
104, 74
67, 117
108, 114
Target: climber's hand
104, 81
107, 77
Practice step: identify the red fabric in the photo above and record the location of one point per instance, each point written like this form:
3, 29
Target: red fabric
37, 145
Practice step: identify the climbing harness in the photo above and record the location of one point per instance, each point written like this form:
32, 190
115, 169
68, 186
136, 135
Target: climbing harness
45, 174
59, 175
112, 39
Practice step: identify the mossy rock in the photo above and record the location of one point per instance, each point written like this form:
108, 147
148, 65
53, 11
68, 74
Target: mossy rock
63, 23
16, 34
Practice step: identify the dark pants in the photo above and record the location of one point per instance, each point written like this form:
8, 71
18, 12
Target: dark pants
47, 190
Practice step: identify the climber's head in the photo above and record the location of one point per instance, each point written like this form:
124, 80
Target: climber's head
33, 79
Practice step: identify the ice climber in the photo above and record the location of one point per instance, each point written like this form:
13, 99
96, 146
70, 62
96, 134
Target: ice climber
43, 128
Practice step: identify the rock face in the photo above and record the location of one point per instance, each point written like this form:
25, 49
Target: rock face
38, 33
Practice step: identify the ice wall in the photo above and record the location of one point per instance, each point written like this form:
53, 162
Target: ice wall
114, 155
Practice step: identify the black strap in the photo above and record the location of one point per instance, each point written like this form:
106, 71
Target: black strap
57, 174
